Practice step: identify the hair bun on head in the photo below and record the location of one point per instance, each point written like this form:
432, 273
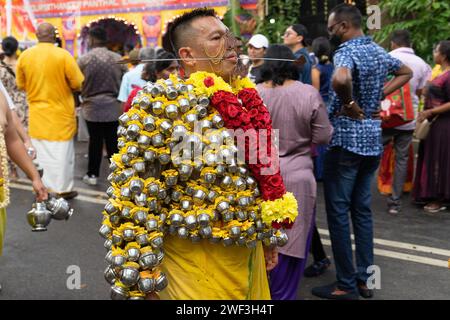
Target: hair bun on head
324, 58
10, 46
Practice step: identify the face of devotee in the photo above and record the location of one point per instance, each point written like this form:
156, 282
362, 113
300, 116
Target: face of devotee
211, 40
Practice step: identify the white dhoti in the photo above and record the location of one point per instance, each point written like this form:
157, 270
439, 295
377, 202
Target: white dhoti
57, 158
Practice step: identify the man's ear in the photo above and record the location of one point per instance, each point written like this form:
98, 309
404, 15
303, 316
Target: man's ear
185, 53
393, 45
345, 26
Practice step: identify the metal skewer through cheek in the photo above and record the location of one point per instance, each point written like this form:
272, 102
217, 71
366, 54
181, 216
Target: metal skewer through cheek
201, 59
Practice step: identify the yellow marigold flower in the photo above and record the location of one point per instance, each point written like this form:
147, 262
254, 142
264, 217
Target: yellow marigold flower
242, 83
197, 80
280, 209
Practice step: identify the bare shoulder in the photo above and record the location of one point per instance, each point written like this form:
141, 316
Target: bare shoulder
3, 102
3, 111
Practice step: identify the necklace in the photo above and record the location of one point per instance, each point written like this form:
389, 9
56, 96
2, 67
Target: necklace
5, 170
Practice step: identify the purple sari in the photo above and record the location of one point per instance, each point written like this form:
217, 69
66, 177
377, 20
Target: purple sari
432, 182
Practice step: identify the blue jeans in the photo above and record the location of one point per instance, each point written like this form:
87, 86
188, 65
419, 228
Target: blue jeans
347, 180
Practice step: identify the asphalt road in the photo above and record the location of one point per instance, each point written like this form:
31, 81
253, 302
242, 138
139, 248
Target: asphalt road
412, 250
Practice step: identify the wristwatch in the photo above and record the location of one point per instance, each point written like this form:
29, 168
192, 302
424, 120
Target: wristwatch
350, 105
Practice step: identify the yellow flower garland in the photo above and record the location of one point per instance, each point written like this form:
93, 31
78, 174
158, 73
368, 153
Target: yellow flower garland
5, 170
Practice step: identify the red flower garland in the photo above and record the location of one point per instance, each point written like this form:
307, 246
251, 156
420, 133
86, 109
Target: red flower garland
253, 114
208, 82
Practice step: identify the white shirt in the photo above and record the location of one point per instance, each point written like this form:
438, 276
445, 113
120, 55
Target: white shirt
421, 74
129, 80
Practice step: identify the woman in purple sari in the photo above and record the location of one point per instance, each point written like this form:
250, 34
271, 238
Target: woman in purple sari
300, 116
432, 182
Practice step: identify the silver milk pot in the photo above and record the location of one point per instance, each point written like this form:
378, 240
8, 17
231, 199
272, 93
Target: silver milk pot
39, 217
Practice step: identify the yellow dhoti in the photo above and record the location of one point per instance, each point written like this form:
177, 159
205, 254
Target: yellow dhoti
205, 271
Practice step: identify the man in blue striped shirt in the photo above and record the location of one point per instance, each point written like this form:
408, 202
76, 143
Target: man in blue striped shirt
361, 68
295, 38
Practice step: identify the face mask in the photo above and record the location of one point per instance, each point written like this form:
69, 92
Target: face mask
335, 40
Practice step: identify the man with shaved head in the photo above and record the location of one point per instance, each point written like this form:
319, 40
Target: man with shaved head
205, 270
196, 38
46, 32
49, 75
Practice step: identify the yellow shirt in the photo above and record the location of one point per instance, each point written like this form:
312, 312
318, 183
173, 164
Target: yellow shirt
49, 75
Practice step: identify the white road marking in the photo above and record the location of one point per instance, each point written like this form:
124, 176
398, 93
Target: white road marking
402, 245
90, 199
79, 197
102, 194
378, 252
92, 192
402, 256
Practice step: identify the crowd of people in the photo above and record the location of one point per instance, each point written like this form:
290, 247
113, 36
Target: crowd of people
324, 98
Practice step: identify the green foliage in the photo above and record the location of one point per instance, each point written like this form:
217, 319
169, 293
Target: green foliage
285, 13
428, 21
234, 9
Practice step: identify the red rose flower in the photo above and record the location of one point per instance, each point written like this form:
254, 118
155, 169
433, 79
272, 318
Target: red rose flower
246, 94
228, 97
276, 225
232, 111
272, 193
265, 119
287, 224
223, 98
259, 116
234, 123
216, 100
253, 113
245, 118
275, 180
208, 81
255, 102
247, 126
